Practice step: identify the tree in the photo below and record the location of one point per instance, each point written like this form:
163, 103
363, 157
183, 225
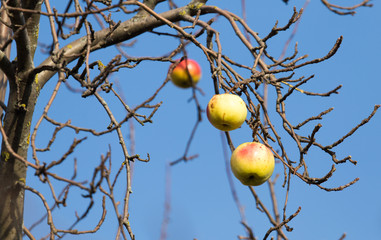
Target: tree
79, 29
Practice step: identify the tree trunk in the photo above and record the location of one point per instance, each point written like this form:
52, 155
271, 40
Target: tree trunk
23, 93
13, 171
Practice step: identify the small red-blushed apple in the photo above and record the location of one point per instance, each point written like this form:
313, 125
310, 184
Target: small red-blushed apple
186, 74
226, 111
252, 163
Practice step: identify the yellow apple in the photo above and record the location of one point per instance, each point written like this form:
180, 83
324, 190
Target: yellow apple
252, 163
186, 74
226, 111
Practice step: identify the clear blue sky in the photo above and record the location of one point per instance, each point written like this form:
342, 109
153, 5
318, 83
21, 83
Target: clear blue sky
201, 204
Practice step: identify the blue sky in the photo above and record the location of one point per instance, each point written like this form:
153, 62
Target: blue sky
202, 206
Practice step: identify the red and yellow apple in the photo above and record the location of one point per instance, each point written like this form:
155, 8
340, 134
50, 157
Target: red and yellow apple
186, 74
226, 111
252, 163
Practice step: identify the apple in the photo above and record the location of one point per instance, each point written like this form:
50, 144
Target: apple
186, 74
252, 163
226, 111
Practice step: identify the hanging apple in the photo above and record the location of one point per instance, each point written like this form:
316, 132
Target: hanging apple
252, 163
186, 74
226, 111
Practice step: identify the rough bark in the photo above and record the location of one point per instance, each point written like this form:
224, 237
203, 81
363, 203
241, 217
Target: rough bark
23, 94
